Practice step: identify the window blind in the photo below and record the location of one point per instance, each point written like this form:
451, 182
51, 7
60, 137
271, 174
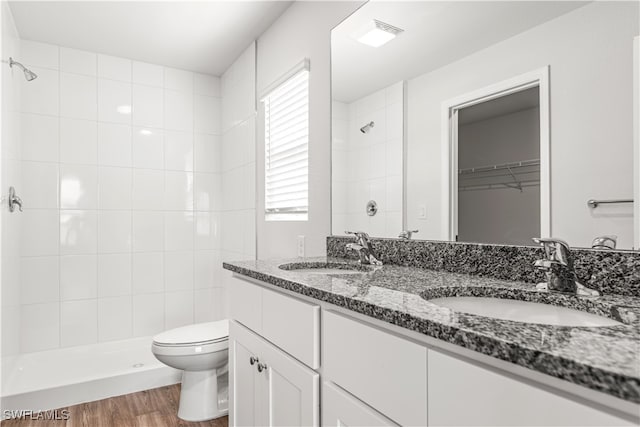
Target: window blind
286, 130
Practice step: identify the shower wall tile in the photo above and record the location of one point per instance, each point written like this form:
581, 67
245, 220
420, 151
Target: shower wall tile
78, 141
78, 61
114, 68
118, 230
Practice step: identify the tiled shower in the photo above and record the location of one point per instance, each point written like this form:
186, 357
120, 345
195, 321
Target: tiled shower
121, 166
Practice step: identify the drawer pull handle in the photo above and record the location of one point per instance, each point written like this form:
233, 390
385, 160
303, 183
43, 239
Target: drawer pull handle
253, 360
262, 367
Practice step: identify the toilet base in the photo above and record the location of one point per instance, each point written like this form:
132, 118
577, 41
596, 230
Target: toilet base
203, 396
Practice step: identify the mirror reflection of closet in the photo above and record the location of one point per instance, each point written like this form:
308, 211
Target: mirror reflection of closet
499, 170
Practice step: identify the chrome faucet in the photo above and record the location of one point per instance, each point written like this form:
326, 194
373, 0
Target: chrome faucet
406, 234
558, 265
364, 248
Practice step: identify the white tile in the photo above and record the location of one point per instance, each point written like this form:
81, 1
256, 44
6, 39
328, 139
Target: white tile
40, 327
378, 163
78, 187
207, 114
115, 188
394, 157
209, 305
178, 231
394, 193
114, 318
148, 274
147, 106
78, 61
148, 74
78, 322
208, 192
148, 189
78, 96
148, 231
178, 151
207, 149
206, 84
114, 275
114, 144
148, 148
78, 232
178, 191
39, 280
205, 269
78, 141
394, 121
39, 135
178, 270
111, 67
78, 277
148, 314
10, 335
40, 232
114, 101
178, 110
41, 96
207, 232
114, 231
178, 309
394, 93
36, 54
39, 185
178, 79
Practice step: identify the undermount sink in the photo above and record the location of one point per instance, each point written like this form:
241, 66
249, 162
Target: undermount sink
326, 268
523, 311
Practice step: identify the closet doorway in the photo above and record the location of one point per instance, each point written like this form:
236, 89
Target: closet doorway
499, 162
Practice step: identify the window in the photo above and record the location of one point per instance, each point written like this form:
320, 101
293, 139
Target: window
286, 133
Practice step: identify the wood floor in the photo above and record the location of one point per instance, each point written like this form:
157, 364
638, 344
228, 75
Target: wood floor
150, 408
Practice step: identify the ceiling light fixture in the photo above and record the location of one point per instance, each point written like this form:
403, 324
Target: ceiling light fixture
376, 33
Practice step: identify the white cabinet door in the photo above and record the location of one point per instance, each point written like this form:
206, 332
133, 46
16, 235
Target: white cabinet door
462, 393
244, 386
292, 394
340, 409
283, 392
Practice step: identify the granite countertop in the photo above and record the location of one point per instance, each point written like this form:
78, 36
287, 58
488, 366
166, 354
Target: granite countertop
606, 359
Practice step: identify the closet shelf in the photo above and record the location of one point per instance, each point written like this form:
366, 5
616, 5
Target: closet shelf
516, 175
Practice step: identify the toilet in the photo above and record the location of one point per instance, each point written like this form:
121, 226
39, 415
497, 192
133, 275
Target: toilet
200, 351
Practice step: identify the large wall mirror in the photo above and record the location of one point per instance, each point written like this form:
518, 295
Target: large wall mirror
489, 122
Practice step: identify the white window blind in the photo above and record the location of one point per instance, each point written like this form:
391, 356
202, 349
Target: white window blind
286, 130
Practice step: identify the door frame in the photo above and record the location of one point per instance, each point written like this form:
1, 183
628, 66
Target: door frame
449, 139
636, 142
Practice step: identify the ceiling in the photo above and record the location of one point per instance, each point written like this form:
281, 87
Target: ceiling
436, 33
513, 103
202, 36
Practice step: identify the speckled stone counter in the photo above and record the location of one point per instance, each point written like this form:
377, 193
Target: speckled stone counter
606, 359
609, 272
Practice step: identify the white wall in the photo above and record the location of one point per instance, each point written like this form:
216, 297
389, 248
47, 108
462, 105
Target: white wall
589, 52
121, 185
238, 158
11, 81
500, 215
368, 166
303, 31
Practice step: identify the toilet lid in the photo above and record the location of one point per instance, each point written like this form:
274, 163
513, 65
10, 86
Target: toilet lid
198, 333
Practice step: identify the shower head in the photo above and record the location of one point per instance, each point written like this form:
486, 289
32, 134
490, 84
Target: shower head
367, 127
28, 74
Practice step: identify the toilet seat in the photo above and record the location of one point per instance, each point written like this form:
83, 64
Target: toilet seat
200, 334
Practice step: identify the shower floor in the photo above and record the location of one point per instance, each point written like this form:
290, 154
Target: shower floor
69, 376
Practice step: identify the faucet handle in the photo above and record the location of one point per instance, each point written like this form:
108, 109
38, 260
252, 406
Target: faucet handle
555, 249
406, 234
358, 234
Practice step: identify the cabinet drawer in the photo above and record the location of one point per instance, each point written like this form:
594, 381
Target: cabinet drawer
293, 325
386, 372
339, 408
245, 303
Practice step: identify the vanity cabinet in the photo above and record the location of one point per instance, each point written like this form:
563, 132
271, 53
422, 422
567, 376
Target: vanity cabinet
339, 409
268, 387
373, 376
464, 393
